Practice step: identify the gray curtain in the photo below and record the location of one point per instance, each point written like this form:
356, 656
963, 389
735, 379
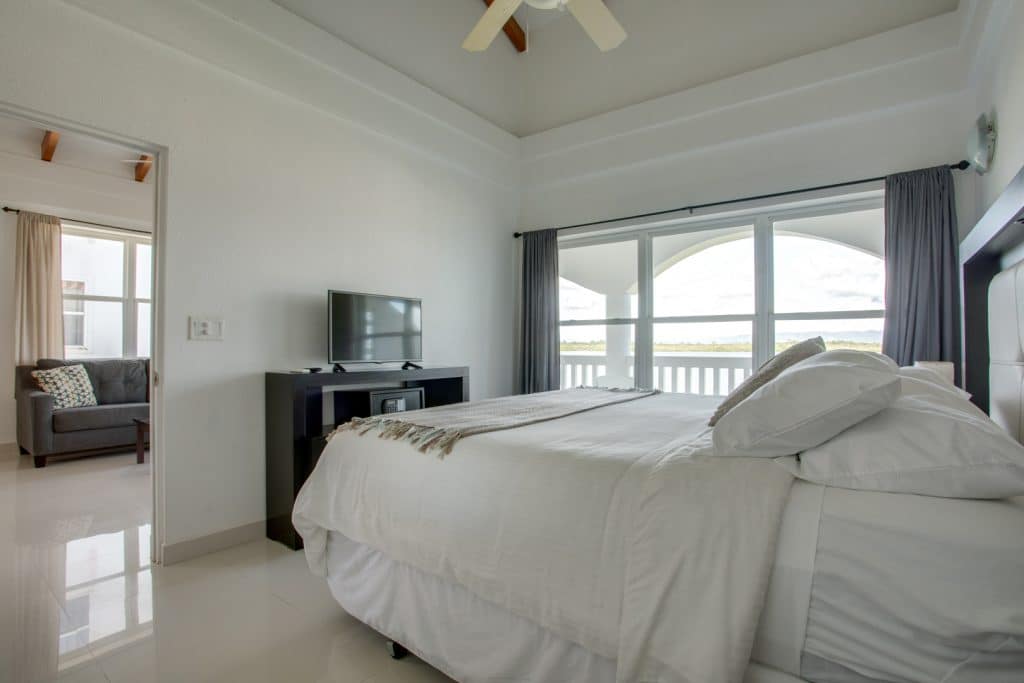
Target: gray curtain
538, 348
922, 277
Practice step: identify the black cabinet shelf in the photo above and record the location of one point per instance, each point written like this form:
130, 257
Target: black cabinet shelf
295, 430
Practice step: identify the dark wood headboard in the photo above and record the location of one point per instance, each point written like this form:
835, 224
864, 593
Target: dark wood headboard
983, 254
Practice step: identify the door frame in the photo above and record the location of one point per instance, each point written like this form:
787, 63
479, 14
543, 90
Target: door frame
157, 322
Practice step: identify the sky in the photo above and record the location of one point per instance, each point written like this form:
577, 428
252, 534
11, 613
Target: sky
811, 275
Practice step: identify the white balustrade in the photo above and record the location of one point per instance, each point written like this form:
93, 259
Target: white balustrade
684, 372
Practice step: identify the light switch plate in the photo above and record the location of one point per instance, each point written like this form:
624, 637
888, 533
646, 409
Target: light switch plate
205, 329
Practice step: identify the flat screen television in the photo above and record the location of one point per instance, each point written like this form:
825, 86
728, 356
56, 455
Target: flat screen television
373, 328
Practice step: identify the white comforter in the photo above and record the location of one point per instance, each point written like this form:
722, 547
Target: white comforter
612, 528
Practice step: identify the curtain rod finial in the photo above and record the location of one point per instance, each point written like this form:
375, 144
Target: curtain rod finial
963, 165
517, 235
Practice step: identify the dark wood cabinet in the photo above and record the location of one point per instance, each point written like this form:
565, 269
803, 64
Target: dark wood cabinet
296, 434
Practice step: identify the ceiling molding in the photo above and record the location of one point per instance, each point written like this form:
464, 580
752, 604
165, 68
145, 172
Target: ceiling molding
919, 43
264, 44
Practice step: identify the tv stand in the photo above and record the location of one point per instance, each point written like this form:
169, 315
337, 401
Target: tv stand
339, 369
296, 430
409, 365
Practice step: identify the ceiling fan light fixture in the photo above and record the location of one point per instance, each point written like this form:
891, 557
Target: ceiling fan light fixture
546, 4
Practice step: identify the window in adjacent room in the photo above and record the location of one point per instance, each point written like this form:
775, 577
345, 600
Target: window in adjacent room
107, 288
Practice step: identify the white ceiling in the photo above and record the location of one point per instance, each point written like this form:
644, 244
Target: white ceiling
673, 45
23, 139
423, 40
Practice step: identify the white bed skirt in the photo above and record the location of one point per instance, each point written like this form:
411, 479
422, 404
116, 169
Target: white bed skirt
460, 634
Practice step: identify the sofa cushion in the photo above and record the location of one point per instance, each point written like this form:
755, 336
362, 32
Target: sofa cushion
115, 380
98, 417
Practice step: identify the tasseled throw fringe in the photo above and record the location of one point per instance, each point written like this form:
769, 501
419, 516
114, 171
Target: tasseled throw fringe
425, 438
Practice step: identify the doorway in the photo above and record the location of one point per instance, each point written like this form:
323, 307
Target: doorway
106, 191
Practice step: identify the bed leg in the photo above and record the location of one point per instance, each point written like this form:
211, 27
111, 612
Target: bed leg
396, 650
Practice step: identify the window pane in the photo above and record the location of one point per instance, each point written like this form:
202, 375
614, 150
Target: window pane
95, 265
597, 355
702, 358
143, 271
830, 263
102, 331
598, 281
704, 273
74, 318
142, 348
862, 334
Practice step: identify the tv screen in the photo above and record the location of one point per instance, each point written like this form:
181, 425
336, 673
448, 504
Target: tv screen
371, 328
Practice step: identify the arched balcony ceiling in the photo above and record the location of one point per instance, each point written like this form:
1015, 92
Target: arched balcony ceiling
611, 269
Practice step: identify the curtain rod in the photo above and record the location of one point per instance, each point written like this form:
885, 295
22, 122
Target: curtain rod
8, 209
960, 166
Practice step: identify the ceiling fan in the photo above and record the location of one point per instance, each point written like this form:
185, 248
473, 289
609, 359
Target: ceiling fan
593, 15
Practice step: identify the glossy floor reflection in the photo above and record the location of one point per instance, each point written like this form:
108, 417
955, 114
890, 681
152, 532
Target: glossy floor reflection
79, 600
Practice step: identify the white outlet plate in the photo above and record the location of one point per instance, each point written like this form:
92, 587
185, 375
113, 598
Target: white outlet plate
205, 329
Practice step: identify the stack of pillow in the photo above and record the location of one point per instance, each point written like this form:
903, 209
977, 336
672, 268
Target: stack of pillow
856, 420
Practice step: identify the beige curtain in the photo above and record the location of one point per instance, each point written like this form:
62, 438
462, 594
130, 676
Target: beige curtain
38, 304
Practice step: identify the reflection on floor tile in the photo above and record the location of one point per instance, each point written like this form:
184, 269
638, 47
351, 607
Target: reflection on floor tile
80, 602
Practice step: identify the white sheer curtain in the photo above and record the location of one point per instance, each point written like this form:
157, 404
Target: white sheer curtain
38, 302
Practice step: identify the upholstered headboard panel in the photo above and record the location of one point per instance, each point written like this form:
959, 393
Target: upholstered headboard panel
1006, 349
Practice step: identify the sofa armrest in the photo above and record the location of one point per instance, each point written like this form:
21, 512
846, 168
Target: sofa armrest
35, 421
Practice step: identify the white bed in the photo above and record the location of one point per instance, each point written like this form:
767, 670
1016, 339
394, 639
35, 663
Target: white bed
826, 617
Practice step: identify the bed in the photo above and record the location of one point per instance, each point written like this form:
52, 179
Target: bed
824, 618
607, 545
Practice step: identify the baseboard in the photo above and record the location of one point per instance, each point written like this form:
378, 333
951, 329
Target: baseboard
204, 545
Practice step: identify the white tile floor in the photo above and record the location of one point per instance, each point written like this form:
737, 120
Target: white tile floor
79, 600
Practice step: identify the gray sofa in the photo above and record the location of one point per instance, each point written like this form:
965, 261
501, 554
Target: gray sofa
122, 392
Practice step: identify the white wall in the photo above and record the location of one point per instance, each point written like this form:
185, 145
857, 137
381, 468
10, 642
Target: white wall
892, 102
288, 175
999, 81
26, 182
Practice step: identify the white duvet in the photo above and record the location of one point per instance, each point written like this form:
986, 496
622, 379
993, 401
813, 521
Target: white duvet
613, 528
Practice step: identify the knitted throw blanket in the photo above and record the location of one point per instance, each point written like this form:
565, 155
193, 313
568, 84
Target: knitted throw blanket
439, 429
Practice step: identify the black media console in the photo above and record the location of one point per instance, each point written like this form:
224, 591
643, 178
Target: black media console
296, 433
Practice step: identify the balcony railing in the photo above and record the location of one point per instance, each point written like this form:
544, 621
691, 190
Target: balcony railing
684, 372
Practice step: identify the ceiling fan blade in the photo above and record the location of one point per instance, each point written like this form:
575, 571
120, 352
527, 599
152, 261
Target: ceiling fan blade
496, 16
599, 23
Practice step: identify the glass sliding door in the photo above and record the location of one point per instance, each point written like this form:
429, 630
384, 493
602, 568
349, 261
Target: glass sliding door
829, 280
696, 307
704, 304
598, 299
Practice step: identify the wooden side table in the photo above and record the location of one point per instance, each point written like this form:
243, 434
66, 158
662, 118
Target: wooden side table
141, 430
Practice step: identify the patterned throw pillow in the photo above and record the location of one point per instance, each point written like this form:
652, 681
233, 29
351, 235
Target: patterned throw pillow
766, 373
69, 385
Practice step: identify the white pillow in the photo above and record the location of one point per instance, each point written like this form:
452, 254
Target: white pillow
930, 441
933, 377
808, 404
